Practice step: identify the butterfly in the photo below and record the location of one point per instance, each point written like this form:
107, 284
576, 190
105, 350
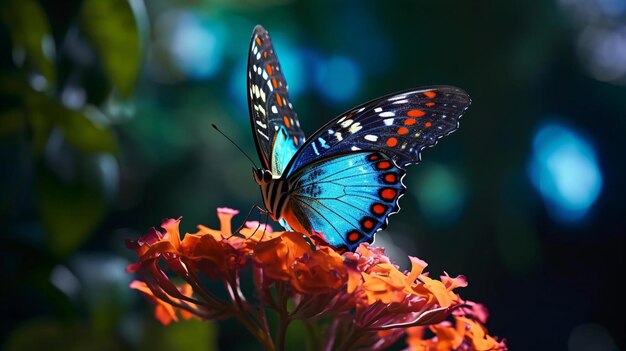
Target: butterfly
342, 183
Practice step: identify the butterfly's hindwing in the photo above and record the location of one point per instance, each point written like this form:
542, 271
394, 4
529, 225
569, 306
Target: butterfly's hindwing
346, 197
271, 111
400, 125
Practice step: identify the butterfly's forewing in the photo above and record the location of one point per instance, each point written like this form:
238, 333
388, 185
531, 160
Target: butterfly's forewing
346, 198
399, 125
275, 125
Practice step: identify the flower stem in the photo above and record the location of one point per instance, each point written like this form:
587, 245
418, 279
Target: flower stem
349, 340
282, 332
258, 333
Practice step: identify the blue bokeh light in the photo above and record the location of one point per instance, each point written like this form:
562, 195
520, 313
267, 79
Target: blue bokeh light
565, 171
197, 46
338, 78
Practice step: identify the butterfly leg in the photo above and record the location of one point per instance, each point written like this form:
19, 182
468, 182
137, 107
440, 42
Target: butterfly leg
237, 232
243, 225
267, 218
265, 222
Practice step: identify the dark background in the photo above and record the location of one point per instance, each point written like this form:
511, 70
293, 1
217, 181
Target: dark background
105, 114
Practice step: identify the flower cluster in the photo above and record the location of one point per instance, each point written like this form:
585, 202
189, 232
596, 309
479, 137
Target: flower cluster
365, 300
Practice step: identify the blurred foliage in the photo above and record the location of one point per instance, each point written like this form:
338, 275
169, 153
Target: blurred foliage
69, 134
118, 29
105, 114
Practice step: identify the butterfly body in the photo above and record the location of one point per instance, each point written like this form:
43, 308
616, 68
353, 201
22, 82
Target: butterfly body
274, 191
343, 182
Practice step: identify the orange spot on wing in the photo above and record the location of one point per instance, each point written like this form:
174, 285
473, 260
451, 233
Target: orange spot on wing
368, 224
415, 113
430, 104
258, 41
403, 130
353, 236
286, 120
269, 69
391, 142
430, 94
265, 54
383, 165
295, 141
373, 157
388, 194
378, 209
279, 100
274, 83
390, 178
427, 124
409, 121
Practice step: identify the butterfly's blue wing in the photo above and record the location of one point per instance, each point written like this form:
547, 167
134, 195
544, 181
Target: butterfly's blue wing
346, 197
275, 125
399, 125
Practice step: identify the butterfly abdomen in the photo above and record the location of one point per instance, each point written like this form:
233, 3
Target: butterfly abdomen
275, 197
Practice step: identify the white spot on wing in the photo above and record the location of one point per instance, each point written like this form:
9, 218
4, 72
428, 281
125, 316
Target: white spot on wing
401, 102
346, 123
378, 109
265, 136
388, 121
398, 97
274, 109
387, 114
355, 128
260, 109
354, 148
371, 137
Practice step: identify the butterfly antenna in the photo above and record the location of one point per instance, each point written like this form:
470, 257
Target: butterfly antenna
237, 146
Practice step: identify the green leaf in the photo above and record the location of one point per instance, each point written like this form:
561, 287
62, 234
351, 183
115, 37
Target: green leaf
78, 128
117, 29
70, 208
33, 45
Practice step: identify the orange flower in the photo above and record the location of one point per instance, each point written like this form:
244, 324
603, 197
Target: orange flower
155, 243
467, 334
392, 299
165, 312
290, 257
370, 301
